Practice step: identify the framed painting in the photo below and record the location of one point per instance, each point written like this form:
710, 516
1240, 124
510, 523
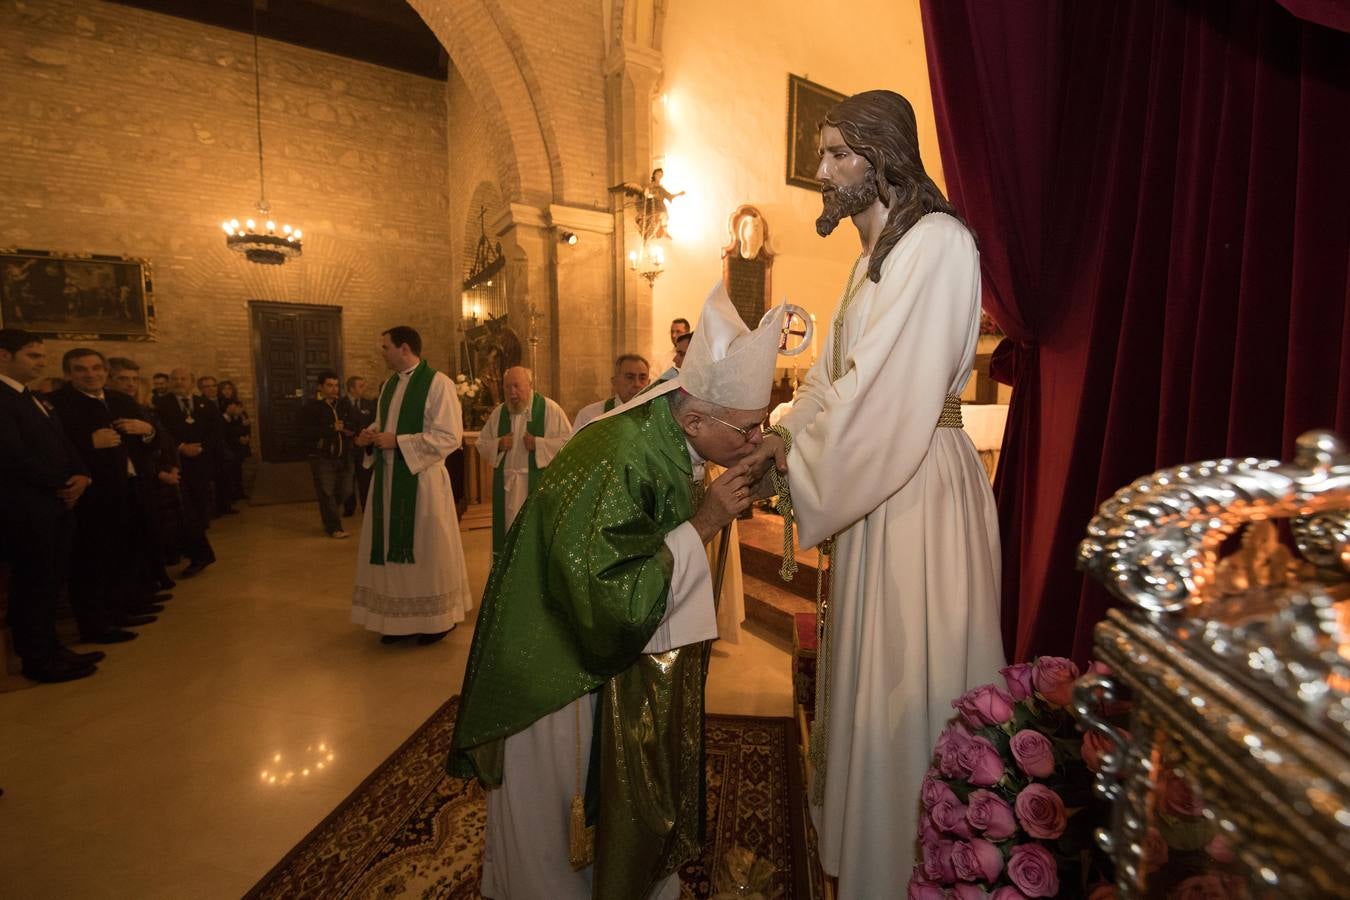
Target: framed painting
807, 104
66, 296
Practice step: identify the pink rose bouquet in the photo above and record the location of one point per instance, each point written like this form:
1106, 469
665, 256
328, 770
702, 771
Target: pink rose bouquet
1008, 811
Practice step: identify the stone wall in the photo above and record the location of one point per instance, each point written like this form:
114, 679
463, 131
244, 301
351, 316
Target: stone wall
132, 133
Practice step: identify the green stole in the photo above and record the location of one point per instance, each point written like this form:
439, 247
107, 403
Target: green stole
609, 404
534, 426
403, 487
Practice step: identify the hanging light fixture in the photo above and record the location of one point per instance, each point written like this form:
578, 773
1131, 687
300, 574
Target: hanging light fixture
259, 239
649, 260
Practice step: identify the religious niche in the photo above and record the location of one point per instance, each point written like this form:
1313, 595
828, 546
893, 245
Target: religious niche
747, 264
488, 346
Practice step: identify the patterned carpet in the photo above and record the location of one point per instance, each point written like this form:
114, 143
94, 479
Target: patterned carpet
411, 830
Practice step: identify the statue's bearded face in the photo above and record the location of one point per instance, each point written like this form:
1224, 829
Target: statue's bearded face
848, 182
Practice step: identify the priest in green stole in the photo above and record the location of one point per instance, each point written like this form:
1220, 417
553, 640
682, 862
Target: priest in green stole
519, 440
631, 374
410, 576
595, 624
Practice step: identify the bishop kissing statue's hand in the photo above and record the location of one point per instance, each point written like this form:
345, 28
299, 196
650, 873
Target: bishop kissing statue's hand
727, 498
769, 454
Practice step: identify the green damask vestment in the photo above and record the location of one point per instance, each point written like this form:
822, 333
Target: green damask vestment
576, 593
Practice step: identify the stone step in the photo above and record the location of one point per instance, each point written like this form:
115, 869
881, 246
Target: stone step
772, 605
762, 555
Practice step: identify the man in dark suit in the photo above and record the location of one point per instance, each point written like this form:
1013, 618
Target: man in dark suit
103, 426
358, 411
191, 420
209, 390
41, 479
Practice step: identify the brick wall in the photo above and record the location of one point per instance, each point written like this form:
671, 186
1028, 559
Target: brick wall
132, 133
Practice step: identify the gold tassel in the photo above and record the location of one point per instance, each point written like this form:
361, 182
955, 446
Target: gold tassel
580, 839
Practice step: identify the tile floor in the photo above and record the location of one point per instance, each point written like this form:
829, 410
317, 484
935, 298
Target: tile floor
154, 777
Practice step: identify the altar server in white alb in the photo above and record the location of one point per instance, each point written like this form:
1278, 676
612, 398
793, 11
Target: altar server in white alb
410, 576
519, 440
879, 461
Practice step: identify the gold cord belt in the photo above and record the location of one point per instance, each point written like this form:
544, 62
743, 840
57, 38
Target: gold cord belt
951, 413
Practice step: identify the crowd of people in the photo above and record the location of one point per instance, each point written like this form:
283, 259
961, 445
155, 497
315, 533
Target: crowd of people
107, 486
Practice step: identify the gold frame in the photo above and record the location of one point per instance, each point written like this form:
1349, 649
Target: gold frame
98, 329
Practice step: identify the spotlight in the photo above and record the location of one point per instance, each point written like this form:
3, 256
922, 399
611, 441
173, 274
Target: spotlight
567, 237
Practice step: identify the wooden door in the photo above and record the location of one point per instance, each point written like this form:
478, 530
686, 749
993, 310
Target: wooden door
292, 343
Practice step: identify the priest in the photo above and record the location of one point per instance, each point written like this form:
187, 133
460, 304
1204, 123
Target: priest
519, 440
410, 576
881, 471
631, 374
595, 624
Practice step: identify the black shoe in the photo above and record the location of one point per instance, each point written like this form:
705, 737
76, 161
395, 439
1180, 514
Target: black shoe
110, 636
428, 639
133, 621
167, 584
145, 609
84, 659
193, 570
162, 597
393, 638
56, 670
229, 512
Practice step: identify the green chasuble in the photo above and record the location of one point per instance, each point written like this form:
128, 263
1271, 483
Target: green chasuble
578, 590
534, 426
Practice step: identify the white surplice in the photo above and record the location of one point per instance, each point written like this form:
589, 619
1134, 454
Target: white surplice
431, 594
529, 816
516, 472
915, 614
590, 413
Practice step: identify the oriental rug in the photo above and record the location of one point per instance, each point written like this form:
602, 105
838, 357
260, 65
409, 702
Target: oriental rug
411, 830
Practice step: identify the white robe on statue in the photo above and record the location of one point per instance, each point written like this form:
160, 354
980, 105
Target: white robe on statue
529, 816
915, 612
516, 472
431, 594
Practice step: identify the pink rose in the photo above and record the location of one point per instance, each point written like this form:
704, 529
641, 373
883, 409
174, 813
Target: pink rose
949, 745
1053, 677
1032, 869
963, 891
984, 705
989, 813
1179, 798
980, 762
1102, 892
950, 816
1033, 752
1155, 850
934, 791
1007, 893
1041, 812
1095, 744
1018, 678
921, 888
1201, 887
1219, 849
976, 860
937, 862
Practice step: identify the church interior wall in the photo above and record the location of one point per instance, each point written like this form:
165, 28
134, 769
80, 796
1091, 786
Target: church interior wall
132, 133
722, 129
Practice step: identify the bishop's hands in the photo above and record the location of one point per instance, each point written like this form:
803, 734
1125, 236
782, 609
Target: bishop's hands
727, 497
771, 453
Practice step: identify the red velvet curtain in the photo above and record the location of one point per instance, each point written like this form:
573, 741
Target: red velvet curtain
1161, 192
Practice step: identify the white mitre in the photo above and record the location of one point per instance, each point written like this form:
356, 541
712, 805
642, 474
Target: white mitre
727, 363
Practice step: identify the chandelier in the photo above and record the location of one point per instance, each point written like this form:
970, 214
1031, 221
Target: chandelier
649, 261
258, 239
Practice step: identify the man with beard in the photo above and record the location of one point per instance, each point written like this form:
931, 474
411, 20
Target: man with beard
630, 376
591, 650
884, 478
519, 440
